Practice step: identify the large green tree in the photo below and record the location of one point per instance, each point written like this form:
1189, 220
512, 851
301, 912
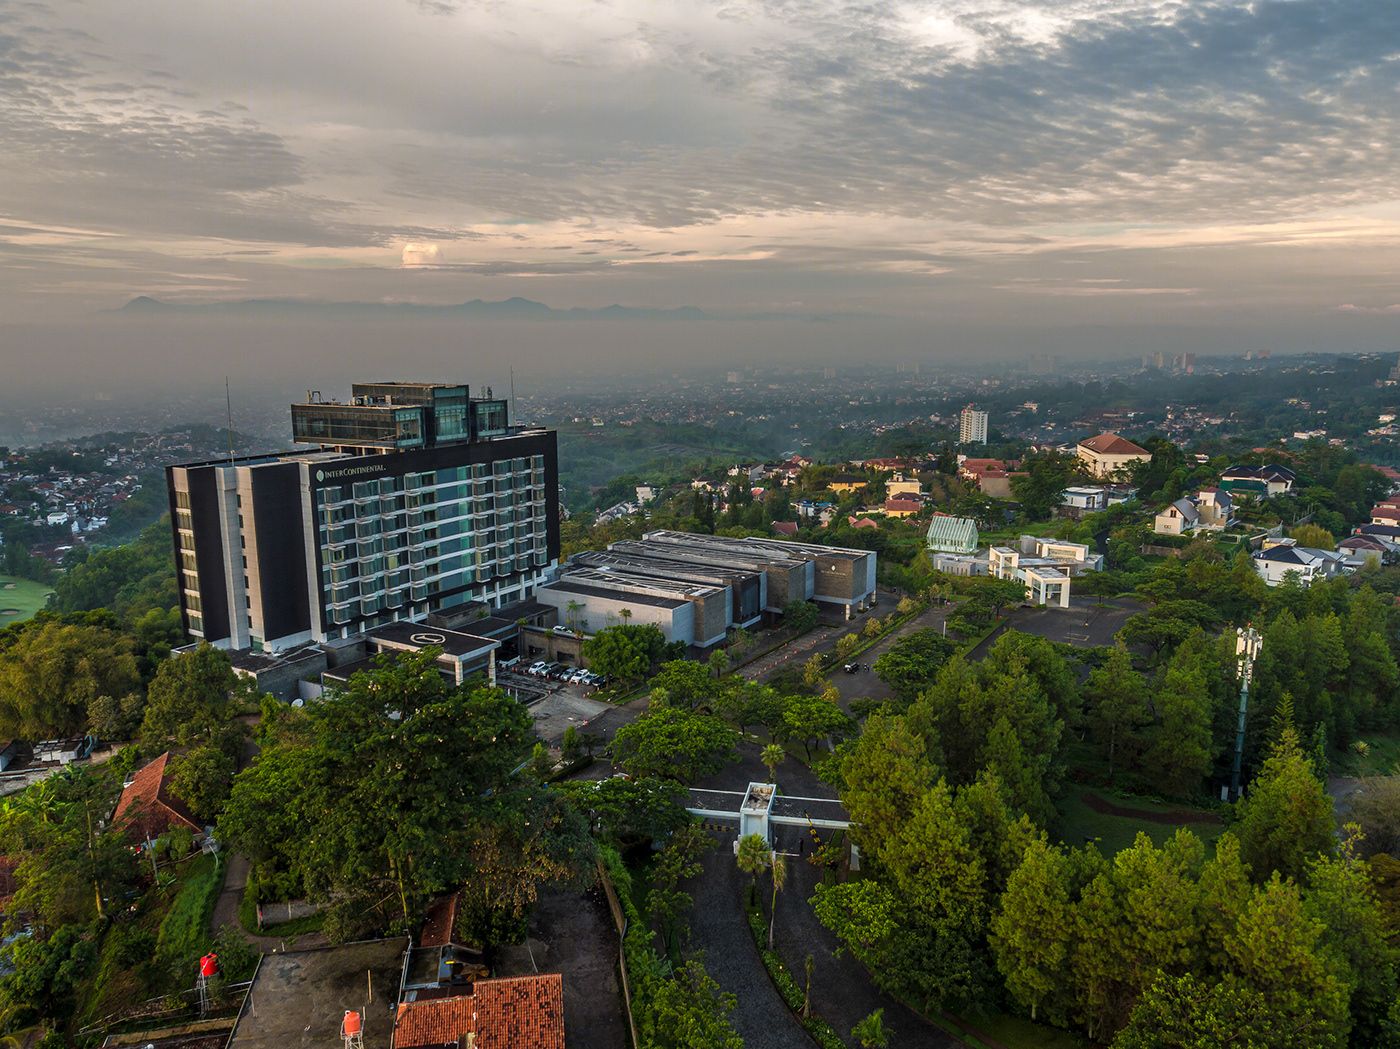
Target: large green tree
631, 812
810, 719
913, 662
1285, 818
68, 866
1032, 932
1181, 750
1342, 898
1185, 1012
689, 1011
1278, 951
626, 652
1116, 708
53, 672
189, 702
674, 744
397, 787
996, 712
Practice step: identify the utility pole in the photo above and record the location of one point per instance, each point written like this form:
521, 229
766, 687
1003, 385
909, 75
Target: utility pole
1247, 645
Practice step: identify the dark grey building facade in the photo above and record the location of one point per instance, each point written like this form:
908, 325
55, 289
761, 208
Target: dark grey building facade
417, 498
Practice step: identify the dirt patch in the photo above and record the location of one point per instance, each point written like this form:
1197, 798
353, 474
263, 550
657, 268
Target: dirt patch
1169, 819
9, 611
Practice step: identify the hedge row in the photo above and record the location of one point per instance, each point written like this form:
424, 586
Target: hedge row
784, 981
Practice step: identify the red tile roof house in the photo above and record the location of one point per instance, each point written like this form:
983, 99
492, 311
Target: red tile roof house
515, 1012
147, 810
903, 507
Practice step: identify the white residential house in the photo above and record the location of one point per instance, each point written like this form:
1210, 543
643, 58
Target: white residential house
1275, 562
1079, 501
1259, 481
1046, 582
1107, 453
1178, 518
1210, 508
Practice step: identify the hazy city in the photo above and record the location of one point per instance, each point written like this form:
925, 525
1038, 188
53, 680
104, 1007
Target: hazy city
700, 525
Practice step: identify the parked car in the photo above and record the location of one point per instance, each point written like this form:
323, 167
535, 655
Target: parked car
579, 677
534, 668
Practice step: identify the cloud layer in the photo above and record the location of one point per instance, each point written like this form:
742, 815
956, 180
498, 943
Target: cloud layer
965, 159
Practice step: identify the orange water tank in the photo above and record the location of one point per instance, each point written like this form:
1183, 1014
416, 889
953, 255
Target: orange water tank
351, 1024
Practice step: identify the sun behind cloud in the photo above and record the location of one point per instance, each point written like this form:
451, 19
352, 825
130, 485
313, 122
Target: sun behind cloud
419, 255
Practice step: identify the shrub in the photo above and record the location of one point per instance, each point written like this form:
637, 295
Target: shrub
783, 980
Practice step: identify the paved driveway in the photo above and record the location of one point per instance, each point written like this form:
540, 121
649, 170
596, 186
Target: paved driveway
841, 990
720, 930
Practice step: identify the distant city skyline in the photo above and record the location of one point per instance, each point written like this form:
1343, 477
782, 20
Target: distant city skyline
1124, 176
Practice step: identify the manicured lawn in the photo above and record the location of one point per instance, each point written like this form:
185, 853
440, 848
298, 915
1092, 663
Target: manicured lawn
21, 598
1079, 822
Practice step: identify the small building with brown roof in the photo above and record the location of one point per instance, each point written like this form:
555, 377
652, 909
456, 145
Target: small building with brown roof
147, 809
514, 1012
902, 507
1107, 453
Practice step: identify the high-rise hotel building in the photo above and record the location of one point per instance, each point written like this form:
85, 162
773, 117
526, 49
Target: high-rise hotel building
416, 498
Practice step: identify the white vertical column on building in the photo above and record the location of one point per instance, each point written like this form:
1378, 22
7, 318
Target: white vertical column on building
230, 535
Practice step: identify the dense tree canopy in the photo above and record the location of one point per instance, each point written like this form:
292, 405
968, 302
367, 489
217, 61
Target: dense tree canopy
189, 702
397, 787
626, 652
674, 744
54, 672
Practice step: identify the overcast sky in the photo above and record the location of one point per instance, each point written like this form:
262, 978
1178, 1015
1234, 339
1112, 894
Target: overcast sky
1131, 167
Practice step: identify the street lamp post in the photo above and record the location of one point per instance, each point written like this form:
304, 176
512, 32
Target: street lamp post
1247, 645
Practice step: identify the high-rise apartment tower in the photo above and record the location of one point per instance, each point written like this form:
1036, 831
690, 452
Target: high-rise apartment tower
973, 426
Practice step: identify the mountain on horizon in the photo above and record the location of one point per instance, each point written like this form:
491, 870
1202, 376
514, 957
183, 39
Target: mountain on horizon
516, 308
513, 309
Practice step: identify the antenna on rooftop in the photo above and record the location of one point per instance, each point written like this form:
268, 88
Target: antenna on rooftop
228, 400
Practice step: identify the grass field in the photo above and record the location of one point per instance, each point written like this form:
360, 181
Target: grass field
1079, 822
21, 598
1381, 757
1016, 1033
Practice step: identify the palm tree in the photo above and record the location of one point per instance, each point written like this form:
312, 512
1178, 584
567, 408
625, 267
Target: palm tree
778, 870
871, 1031
773, 756
573, 606
752, 857
626, 614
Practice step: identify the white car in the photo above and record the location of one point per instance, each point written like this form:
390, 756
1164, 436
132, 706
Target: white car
578, 677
